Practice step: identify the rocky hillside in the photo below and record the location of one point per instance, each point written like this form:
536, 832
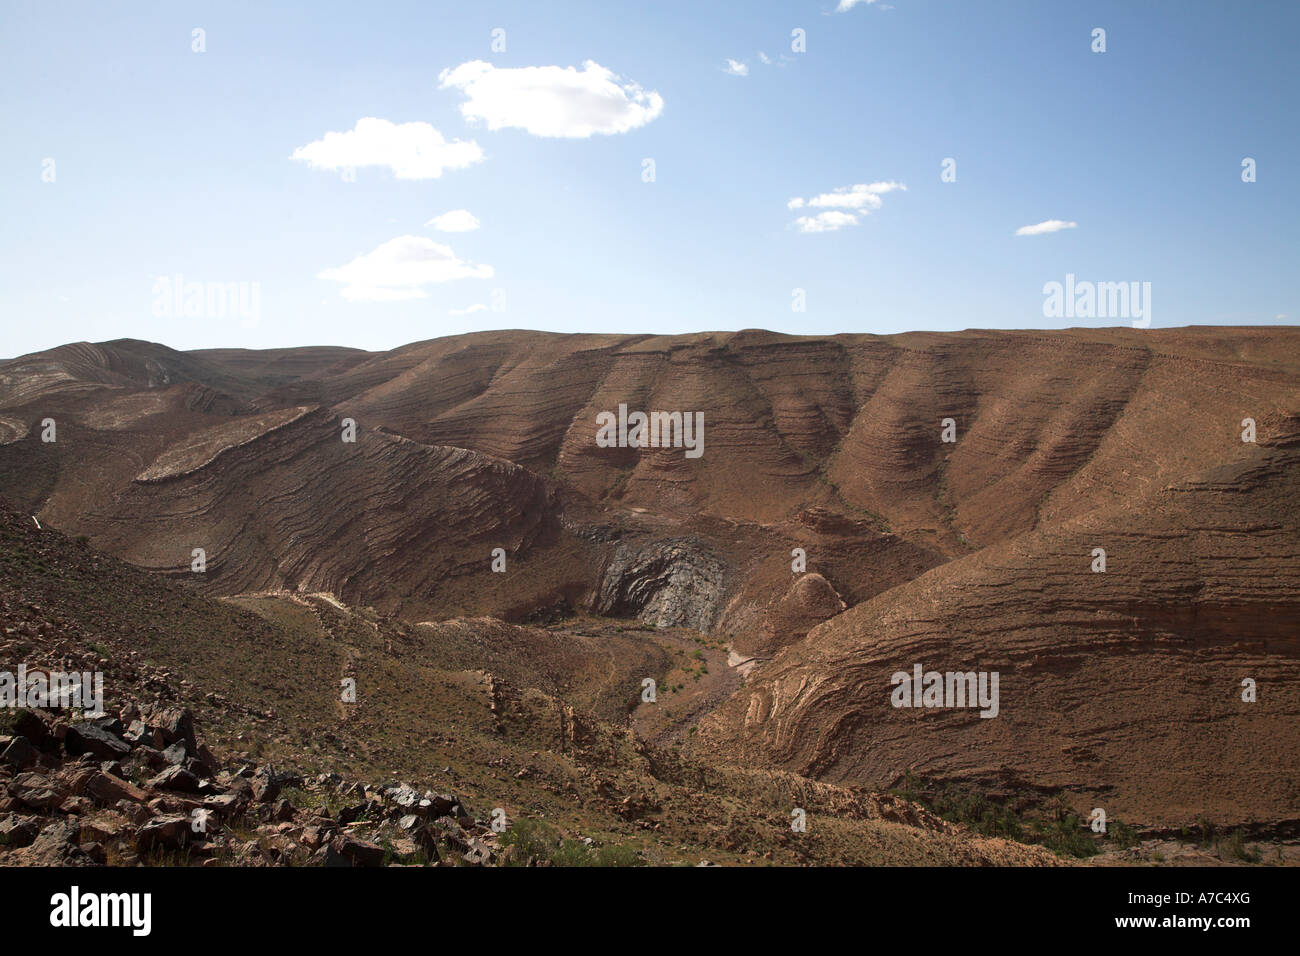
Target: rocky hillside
863, 504
287, 773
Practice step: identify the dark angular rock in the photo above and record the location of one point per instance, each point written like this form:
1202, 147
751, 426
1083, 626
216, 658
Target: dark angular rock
20, 754
442, 805
265, 785
175, 778
359, 852
225, 804
112, 724
36, 728
328, 856
56, 846
176, 724
18, 832
164, 833
110, 791
209, 761
354, 813
36, 791
90, 739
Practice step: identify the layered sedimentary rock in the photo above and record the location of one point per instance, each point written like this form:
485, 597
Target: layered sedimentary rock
862, 504
1124, 684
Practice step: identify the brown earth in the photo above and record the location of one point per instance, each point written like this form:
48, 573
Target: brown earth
1119, 689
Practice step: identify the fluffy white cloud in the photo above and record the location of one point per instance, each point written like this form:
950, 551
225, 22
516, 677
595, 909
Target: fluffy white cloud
457, 220
847, 5
736, 68
476, 307
827, 221
399, 269
410, 150
1042, 228
859, 199
552, 100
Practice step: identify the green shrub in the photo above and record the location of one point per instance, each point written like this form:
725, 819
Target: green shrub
618, 855
1122, 835
534, 838
1067, 838
1235, 845
572, 853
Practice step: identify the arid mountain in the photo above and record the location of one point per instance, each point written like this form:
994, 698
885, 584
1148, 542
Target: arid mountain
283, 781
861, 505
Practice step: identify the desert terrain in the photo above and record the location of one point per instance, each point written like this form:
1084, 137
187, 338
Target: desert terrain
563, 652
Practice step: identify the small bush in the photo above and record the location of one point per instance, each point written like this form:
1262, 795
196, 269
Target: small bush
1122, 835
533, 837
572, 853
617, 855
1235, 845
1067, 838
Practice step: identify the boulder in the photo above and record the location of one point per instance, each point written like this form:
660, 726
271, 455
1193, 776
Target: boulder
266, 787
55, 846
37, 792
175, 778
110, 791
91, 739
18, 832
163, 833
358, 852
20, 754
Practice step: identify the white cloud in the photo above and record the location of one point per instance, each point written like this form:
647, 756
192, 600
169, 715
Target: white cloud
399, 269
847, 5
764, 58
860, 198
865, 196
457, 220
410, 150
476, 307
736, 68
827, 221
552, 100
1044, 227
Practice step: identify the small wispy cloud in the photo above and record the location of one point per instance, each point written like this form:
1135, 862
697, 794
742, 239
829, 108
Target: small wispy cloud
457, 220
741, 67
842, 206
828, 221
1044, 227
846, 5
469, 310
864, 196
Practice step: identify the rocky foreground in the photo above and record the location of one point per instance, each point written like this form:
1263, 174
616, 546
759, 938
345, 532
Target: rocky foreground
139, 788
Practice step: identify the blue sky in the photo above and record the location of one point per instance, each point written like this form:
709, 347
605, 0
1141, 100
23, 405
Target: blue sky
171, 162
